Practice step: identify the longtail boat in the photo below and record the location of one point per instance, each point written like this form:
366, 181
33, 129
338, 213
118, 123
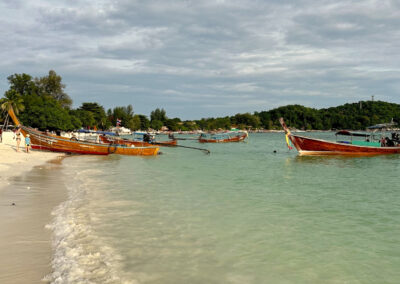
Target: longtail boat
225, 137
171, 143
44, 141
128, 142
372, 144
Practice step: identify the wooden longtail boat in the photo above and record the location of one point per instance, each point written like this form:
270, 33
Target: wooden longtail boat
133, 150
313, 146
127, 142
236, 136
44, 141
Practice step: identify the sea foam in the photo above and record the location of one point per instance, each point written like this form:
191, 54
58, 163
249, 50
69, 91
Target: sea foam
81, 255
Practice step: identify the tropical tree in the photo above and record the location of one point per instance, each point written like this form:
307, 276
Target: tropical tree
98, 114
86, 117
51, 86
22, 84
144, 122
44, 112
134, 123
158, 114
156, 124
124, 114
173, 124
12, 99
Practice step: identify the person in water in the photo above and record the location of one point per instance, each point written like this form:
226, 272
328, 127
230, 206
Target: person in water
17, 137
27, 142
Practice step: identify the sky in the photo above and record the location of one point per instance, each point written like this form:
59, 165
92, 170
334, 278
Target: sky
206, 58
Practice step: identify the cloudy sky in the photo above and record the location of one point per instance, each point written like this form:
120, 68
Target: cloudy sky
205, 58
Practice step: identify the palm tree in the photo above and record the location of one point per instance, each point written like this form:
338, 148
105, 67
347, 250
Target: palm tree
12, 99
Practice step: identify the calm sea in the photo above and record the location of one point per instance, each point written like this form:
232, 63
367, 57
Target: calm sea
243, 214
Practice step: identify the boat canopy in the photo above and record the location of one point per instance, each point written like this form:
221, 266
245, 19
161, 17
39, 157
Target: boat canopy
106, 133
96, 132
382, 125
349, 133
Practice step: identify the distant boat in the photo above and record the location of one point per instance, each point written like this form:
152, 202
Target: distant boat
225, 137
371, 144
50, 142
120, 130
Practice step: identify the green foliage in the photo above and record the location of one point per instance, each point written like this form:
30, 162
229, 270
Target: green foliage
173, 124
12, 99
38, 108
349, 116
51, 86
98, 116
144, 122
246, 120
214, 123
125, 114
158, 114
85, 117
156, 124
22, 84
135, 123
42, 103
189, 125
75, 121
44, 112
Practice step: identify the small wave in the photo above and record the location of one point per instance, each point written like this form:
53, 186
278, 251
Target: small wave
80, 254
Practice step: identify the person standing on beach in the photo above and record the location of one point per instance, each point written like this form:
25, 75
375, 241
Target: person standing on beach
17, 137
27, 143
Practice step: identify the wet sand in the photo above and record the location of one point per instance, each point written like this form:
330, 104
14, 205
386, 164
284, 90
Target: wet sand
25, 243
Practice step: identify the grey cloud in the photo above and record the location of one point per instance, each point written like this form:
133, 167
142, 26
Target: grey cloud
207, 58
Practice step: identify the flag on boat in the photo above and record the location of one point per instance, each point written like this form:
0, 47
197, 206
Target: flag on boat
118, 122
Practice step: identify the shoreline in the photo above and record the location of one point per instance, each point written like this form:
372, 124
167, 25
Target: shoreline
13, 163
29, 191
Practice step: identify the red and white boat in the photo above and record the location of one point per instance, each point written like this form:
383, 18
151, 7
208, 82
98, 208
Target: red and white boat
368, 146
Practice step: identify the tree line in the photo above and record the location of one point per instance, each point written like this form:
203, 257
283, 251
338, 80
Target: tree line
43, 103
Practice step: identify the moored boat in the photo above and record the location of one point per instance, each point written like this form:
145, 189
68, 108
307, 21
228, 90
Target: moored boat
133, 150
139, 143
225, 137
372, 144
50, 142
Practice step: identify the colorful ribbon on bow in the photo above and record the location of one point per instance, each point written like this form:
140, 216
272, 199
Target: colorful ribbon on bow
288, 141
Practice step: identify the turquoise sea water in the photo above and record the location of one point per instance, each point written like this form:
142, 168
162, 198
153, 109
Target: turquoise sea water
240, 215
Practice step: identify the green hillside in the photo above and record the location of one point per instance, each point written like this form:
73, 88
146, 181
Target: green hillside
349, 116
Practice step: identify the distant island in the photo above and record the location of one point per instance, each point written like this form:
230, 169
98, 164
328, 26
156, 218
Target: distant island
42, 103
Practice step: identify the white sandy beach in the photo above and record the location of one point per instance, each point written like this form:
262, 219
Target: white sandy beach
13, 163
26, 202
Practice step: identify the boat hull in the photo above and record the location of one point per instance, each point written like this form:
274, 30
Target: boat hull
127, 142
41, 141
133, 151
312, 146
49, 142
238, 138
